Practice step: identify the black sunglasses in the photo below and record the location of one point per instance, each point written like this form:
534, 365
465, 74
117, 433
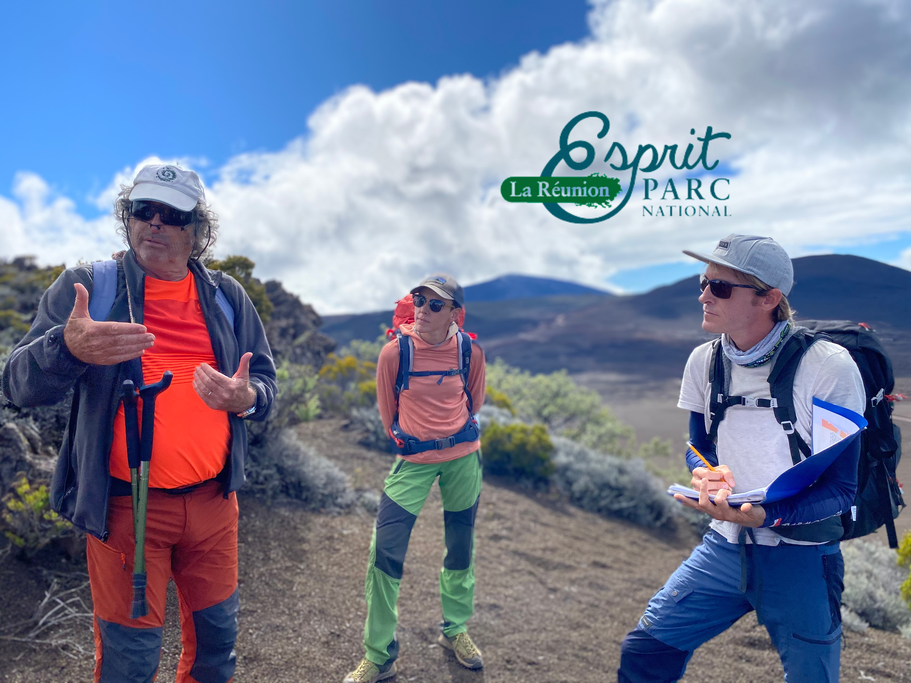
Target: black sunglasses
435, 304
721, 288
145, 211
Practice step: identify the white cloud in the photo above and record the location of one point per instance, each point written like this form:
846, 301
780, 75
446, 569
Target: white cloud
38, 222
904, 259
386, 187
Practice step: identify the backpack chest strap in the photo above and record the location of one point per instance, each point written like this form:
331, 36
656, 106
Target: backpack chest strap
747, 401
406, 365
442, 373
781, 386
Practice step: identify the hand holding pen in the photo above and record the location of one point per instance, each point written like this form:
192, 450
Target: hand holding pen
716, 477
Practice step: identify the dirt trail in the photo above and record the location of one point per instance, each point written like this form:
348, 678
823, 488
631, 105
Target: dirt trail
557, 589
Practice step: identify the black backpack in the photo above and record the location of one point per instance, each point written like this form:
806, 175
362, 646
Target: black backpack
879, 495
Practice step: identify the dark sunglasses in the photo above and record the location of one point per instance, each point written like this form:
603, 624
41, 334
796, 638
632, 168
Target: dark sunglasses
721, 288
145, 211
435, 304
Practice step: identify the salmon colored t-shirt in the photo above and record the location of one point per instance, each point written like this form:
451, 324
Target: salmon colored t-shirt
191, 440
428, 410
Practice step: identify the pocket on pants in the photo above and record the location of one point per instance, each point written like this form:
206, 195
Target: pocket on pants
661, 607
833, 567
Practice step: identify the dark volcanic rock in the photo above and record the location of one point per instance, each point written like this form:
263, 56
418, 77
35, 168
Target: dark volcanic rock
293, 329
23, 450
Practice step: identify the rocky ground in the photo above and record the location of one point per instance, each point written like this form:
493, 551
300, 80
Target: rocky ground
557, 588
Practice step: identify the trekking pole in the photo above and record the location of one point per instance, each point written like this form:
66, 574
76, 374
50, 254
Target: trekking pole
131, 424
147, 393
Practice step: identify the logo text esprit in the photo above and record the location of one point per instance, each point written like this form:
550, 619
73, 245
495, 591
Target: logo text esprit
599, 191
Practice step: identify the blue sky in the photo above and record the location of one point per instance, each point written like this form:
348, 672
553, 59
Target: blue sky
100, 85
350, 148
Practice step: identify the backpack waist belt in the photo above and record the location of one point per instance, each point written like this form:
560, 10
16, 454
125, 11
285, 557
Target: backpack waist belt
405, 444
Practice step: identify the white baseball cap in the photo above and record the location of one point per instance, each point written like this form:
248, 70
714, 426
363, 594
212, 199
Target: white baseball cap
169, 185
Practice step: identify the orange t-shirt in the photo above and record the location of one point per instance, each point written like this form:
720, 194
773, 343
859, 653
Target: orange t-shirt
430, 409
191, 440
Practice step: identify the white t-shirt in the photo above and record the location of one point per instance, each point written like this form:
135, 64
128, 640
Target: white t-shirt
750, 441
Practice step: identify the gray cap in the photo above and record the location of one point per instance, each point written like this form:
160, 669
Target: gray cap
762, 257
444, 285
169, 185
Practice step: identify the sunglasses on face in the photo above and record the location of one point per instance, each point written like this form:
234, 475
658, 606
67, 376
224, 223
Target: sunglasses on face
145, 211
435, 304
721, 288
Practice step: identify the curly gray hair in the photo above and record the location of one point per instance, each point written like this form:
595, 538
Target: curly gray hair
205, 225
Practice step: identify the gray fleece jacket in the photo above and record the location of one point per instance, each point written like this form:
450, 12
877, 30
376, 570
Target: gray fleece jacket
41, 370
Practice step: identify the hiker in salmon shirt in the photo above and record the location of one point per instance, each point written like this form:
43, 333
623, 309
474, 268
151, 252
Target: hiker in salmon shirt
155, 308
430, 384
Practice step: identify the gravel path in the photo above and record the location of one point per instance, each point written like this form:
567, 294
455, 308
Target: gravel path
557, 589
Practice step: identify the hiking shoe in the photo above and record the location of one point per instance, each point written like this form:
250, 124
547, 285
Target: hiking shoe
464, 650
368, 672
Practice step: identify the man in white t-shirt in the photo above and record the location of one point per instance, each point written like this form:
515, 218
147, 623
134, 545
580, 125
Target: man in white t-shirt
751, 558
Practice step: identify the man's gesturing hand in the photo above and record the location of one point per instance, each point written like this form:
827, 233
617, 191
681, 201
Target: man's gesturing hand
102, 343
220, 392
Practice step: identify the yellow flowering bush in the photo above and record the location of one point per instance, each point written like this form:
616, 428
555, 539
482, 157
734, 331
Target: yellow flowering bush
27, 519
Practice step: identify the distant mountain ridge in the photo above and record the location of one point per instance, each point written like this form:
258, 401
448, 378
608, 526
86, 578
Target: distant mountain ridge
652, 334
525, 286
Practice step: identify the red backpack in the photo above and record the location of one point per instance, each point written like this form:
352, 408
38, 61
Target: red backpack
404, 315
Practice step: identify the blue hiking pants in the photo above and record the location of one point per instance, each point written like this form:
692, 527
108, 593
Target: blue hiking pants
795, 590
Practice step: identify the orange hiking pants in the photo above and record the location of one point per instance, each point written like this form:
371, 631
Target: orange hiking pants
191, 537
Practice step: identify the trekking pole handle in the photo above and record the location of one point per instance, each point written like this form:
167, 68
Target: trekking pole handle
148, 393
128, 391
153, 390
131, 422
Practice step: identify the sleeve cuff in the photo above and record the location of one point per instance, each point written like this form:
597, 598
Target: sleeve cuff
56, 349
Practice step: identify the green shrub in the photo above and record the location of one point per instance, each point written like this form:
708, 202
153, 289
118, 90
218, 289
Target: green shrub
345, 383
567, 409
285, 467
365, 350
297, 399
368, 421
518, 450
610, 486
241, 269
499, 400
904, 560
873, 580
40, 279
27, 519
18, 322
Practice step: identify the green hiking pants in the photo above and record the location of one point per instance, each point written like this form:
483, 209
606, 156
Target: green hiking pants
406, 489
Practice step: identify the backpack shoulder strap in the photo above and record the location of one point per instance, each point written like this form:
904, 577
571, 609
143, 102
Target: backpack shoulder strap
464, 343
104, 289
717, 404
781, 386
406, 362
224, 305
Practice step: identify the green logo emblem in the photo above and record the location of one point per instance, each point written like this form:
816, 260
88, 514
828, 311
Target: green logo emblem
595, 190
598, 190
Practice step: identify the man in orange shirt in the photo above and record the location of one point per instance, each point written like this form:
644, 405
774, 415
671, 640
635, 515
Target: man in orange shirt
429, 384
166, 312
